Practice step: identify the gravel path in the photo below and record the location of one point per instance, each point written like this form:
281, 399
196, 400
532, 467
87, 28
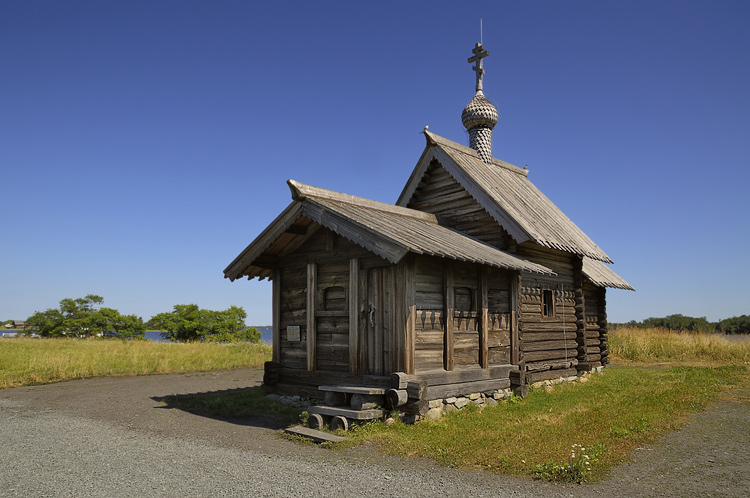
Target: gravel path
111, 437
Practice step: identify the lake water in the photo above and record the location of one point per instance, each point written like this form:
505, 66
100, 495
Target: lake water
266, 335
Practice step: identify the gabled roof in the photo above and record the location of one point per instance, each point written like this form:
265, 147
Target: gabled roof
386, 230
603, 276
505, 192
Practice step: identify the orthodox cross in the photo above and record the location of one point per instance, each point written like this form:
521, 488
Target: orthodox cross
479, 54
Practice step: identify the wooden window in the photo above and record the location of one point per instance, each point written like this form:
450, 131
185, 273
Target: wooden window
462, 299
334, 298
548, 303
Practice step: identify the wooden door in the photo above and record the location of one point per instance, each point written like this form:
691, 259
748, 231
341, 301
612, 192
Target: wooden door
331, 310
376, 322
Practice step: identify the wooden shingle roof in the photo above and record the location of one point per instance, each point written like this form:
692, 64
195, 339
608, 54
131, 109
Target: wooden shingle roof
603, 276
389, 231
506, 193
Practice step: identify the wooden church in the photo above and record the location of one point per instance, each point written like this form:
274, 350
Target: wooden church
473, 281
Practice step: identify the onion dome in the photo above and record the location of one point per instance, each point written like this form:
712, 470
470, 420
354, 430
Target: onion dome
479, 113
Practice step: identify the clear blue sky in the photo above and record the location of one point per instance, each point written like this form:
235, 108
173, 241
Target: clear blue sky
143, 145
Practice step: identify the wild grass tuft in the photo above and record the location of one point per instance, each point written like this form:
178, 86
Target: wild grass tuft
634, 345
26, 361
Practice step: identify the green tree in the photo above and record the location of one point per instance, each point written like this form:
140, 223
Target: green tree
188, 322
108, 322
80, 318
681, 322
48, 323
735, 325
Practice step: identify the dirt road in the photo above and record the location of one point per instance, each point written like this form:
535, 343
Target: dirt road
112, 437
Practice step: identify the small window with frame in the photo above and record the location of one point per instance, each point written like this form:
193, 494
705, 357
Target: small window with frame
548, 303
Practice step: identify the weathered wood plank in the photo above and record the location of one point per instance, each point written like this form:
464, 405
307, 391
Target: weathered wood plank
558, 335
550, 345
276, 316
485, 323
406, 272
448, 343
428, 360
315, 435
499, 355
311, 288
342, 388
550, 374
448, 390
429, 339
557, 354
555, 326
347, 412
462, 374
301, 377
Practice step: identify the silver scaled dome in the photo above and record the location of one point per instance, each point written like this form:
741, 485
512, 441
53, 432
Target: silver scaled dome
479, 113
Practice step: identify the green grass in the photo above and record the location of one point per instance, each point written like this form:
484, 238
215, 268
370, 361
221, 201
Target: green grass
26, 361
609, 416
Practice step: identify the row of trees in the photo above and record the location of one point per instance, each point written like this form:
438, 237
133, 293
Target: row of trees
83, 317
188, 322
734, 325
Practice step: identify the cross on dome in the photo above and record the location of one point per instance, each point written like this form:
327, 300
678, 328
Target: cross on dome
479, 54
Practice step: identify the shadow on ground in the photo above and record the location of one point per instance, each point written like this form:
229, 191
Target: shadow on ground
242, 406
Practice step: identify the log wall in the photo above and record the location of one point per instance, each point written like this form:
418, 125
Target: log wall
438, 193
292, 313
596, 326
499, 343
466, 315
549, 346
463, 315
323, 263
430, 314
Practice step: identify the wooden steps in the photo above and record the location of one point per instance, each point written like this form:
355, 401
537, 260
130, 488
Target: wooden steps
347, 403
372, 391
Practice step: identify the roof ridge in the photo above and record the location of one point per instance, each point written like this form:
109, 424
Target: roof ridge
444, 142
303, 191
512, 199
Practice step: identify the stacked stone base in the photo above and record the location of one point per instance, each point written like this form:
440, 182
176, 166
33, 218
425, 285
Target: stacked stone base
582, 377
439, 407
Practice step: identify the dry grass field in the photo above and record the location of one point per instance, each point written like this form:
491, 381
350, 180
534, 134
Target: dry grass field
26, 361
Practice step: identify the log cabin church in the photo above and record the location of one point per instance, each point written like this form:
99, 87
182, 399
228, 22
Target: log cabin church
473, 281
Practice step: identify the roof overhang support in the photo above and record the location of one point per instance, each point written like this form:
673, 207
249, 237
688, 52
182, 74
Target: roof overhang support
272, 232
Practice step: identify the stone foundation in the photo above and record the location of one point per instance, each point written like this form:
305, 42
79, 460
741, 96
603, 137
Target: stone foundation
439, 407
583, 376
